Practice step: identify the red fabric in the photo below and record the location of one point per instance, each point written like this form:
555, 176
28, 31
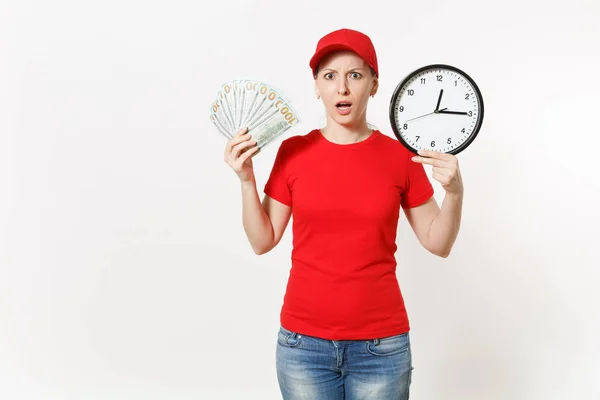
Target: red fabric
346, 39
345, 203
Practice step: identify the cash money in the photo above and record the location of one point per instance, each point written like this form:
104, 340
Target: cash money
255, 105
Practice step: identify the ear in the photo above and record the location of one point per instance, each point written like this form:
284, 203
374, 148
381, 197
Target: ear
375, 86
317, 93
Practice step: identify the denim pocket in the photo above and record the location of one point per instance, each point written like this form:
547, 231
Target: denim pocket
288, 338
388, 346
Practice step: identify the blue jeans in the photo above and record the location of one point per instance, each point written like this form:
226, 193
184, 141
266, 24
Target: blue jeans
317, 369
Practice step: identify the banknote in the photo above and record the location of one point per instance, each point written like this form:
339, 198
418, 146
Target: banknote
253, 104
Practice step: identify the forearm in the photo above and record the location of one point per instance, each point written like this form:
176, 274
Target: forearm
445, 226
257, 224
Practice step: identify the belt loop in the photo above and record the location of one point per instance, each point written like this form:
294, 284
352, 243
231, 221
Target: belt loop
375, 342
293, 335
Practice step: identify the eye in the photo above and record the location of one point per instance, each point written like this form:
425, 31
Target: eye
355, 75
328, 75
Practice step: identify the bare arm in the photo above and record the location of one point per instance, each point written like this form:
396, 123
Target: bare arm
437, 228
264, 223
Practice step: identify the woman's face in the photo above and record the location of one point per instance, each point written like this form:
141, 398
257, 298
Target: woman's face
345, 81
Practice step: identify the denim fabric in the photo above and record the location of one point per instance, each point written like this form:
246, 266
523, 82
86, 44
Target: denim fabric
311, 368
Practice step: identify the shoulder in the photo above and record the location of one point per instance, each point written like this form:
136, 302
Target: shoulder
298, 142
393, 145
293, 146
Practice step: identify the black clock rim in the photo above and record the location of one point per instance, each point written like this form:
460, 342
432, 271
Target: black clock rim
396, 93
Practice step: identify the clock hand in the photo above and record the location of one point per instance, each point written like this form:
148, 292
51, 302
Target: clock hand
452, 112
437, 107
435, 112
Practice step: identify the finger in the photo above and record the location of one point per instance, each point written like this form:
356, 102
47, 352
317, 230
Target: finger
247, 154
240, 149
250, 152
436, 154
440, 177
241, 131
450, 172
431, 161
236, 140
237, 149
440, 171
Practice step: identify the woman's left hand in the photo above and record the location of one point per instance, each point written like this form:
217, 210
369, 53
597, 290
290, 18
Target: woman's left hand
445, 169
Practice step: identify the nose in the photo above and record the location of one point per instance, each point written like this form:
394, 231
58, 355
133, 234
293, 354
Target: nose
342, 86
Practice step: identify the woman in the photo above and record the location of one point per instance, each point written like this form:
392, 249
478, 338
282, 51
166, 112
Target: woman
344, 329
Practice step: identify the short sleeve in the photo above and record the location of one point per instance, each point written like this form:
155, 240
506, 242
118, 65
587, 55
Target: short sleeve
277, 186
418, 188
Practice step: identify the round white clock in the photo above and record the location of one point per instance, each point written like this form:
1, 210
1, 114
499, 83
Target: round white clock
437, 107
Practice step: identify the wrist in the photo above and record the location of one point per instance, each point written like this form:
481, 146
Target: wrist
250, 181
456, 195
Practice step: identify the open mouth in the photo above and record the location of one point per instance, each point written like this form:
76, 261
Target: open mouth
343, 105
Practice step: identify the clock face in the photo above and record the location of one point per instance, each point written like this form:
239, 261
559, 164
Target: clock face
437, 107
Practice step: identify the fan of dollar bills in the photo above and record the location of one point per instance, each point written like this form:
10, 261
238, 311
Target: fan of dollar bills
255, 105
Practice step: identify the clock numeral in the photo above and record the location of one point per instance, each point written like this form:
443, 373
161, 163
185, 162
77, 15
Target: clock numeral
449, 141
455, 83
439, 78
433, 144
405, 126
422, 81
417, 138
463, 130
467, 96
401, 108
411, 92
470, 113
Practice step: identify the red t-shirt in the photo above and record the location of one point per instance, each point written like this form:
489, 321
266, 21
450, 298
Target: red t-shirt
345, 201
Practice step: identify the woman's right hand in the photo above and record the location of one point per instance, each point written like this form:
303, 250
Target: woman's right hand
238, 153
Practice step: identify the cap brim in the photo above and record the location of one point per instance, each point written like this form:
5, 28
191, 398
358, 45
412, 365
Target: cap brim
316, 58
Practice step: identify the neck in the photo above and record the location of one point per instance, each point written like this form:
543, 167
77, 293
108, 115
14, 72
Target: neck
346, 134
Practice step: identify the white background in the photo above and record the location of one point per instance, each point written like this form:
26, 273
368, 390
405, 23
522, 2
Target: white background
125, 272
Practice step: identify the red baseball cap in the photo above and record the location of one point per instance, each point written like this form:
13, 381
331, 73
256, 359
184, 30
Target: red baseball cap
346, 39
